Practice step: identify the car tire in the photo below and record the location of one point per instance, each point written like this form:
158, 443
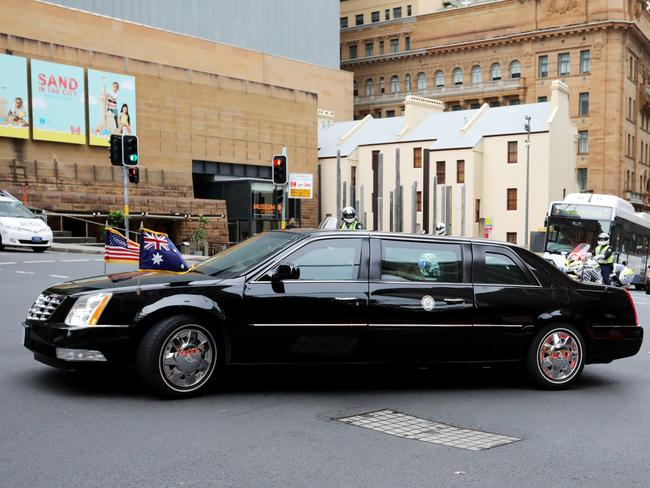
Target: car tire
556, 357
40, 249
647, 289
1, 246
178, 357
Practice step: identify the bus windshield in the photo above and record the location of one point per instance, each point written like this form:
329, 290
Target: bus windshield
564, 234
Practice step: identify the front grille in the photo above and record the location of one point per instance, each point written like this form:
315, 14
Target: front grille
25, 241
44, 307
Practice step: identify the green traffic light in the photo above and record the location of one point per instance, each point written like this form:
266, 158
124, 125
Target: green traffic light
133, 157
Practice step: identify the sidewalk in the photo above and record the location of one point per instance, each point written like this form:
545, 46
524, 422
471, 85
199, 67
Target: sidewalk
86, 249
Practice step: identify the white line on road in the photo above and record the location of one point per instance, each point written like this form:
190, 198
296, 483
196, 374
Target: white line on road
9, 262
74, 260
98, 260
44, 261
25, 272
59, 276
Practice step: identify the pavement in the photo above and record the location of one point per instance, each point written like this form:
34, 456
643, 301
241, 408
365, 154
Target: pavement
274, 427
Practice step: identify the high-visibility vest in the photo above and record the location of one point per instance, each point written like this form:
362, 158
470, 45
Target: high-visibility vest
601, 250
349, 225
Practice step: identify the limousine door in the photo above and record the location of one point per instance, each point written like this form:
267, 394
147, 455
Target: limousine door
320, 316
421, 300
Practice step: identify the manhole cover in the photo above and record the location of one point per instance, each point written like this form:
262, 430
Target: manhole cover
410, 427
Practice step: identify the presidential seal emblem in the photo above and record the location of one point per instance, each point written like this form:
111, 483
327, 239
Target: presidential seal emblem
428, 303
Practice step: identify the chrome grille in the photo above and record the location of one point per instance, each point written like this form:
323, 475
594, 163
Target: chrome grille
44, 307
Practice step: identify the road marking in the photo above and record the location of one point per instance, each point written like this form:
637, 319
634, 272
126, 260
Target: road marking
25, 272
9, 262
98, 260
74, 260
59, 276
44, 261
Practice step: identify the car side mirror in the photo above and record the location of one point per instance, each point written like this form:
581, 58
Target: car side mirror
286, 272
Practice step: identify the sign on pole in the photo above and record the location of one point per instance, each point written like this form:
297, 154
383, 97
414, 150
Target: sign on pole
301, 185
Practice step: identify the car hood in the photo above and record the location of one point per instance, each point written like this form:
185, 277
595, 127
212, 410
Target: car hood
129, 280
34, 223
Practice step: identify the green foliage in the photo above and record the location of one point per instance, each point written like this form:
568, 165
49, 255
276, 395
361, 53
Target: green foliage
199, 235
116, 218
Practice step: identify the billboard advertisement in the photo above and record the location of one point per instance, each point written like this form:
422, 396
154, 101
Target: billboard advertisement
14, 112
58, 102
111, 106
301, 185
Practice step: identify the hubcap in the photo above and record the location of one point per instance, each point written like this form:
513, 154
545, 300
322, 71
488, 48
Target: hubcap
559, 355
187, 358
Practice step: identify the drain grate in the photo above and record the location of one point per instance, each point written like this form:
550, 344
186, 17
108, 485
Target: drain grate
410, 427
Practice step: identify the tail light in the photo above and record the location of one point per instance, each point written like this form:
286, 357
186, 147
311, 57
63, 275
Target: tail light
636, 317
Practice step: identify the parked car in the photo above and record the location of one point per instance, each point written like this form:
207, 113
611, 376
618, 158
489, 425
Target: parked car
309, 296
19, 227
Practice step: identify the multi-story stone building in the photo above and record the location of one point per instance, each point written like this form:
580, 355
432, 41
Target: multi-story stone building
506, 52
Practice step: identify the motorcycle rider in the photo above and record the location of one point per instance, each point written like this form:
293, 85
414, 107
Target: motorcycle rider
350, 221
605, 258
441, 229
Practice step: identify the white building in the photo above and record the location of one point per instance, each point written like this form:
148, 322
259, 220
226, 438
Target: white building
474, 163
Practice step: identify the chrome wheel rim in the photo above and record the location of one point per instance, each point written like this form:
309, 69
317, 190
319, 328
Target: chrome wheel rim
559, 356
187, 358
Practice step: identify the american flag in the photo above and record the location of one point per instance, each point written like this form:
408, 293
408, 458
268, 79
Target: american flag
119, 249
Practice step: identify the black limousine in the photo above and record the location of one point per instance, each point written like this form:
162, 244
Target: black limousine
323, 297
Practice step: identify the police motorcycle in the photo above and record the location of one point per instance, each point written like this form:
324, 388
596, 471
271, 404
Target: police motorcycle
581, 265
622, 275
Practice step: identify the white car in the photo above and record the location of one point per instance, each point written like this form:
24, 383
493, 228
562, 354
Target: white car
19, 227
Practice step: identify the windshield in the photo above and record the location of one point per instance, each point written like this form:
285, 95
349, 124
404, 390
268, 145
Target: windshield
247, 254
564, 235
15, 209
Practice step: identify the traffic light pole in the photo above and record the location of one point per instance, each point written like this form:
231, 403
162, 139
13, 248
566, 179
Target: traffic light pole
125, 178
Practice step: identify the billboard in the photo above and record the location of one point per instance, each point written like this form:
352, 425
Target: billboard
58, 102
14, 112
301, 185
111, 106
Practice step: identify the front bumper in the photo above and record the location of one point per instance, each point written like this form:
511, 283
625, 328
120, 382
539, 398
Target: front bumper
606, 344
115, 343
25, 238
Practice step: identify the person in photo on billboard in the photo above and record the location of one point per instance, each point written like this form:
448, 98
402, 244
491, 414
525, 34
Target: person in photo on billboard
111, 101
18, 113
124, 120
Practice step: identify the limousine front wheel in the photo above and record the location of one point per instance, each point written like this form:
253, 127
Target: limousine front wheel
556, 357
177, 357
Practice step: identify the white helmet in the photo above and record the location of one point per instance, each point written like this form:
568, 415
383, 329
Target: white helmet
441, 229
603, 239
349, 214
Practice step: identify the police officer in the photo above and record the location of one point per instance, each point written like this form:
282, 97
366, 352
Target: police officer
605, 258
350, 221
441, 229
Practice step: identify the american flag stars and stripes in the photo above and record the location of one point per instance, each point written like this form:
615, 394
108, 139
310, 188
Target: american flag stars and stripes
119, 249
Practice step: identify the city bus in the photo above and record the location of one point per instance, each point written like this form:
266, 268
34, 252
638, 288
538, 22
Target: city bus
580, 217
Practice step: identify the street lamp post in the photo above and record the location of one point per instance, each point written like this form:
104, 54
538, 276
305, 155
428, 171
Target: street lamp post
527, 128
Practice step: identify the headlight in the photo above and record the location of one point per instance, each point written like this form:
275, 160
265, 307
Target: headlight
87, 309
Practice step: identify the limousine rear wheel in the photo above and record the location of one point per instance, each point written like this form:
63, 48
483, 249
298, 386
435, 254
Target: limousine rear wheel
556, 357
177, 357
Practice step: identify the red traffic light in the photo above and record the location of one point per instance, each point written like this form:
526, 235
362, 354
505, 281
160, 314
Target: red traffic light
279, 169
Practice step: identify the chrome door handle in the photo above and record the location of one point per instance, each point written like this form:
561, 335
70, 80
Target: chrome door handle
453, 300
346, 299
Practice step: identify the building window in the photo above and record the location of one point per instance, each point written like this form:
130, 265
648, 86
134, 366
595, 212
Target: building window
397, 13
460, 171
456, 107
495, 103
515, 70
440, 172
583, 142
457, 76
358, 19
370, 87
542, 66
387, 14
563, 64
352, 51
382, 86
513, 149
585, 61
355, 88
369, 47
476, 74
495, 72
394, 45
511, 237
418, 201
511, 203
407, 43
514, 101
582, 179
344, 22
440, 78
394, 84
390, 113
409, 10
407, 82
477, 216
542, 99
583, 107
417, 157
421, 80
474, 105
374, 16
381, 47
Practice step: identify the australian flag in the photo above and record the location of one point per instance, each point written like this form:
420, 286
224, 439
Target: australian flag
158, 253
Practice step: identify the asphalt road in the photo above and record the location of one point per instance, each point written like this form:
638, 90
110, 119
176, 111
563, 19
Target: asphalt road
274, 427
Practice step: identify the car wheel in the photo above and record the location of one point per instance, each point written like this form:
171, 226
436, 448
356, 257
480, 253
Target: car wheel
177, 357
39, 249
1, 246
556, 357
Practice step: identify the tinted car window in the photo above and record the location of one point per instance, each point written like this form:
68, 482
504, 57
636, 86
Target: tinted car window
544, 271
501, 269
328, 259
421, 261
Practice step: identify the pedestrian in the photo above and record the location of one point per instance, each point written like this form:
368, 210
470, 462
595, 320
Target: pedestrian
605, 258
291, 224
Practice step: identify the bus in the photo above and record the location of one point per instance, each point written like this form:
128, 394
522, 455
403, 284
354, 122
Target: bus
580, 217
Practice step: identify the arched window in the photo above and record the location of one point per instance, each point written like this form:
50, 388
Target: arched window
477, 76
421, 80
515, 70
356, 88
495, 72
440, 78
382, 86
394, 84
457, 76
407, 83
370, 87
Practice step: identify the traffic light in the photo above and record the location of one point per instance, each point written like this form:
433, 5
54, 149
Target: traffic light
280, 174
115, 150
134, 175
130, 150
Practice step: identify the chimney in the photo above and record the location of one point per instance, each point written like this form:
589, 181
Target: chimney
417, 108
325, 117
559, 97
